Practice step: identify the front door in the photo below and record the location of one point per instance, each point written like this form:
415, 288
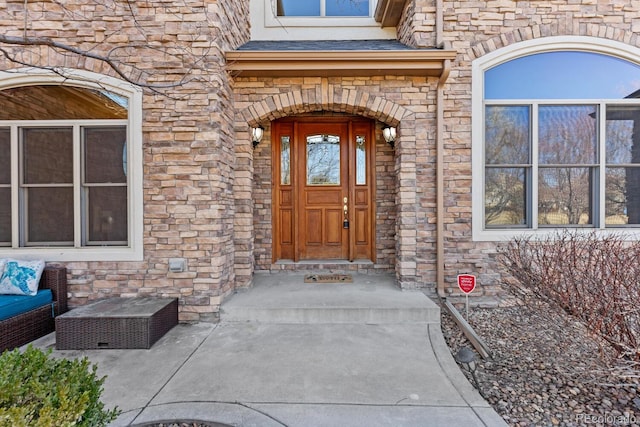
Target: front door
323, 187
323, 199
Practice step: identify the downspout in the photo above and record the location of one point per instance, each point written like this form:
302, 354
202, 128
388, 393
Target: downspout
439, 23
468, 331
446, 69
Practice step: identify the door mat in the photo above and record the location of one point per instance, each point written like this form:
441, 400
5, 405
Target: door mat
328, 278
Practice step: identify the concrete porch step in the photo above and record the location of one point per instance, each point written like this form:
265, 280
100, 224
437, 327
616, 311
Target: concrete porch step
370, 299
328, 266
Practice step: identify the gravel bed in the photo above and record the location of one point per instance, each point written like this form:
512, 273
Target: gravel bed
547, 370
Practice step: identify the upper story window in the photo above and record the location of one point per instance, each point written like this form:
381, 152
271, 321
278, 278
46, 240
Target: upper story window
316, 20
67, 176
560, 144
324, 8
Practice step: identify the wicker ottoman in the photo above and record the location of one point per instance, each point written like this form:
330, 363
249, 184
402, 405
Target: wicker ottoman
116, 323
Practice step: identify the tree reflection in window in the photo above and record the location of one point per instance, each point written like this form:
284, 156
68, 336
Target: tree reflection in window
567, 147
508, 165
323, 160
622, 194
361, 161
285, 160
545, 160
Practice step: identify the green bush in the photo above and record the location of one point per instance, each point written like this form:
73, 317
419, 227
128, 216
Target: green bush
37, 390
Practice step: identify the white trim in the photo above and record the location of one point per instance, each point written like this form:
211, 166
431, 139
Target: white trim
558, 43
15, 176
86, 79
602, 170
77, 189
534, 165
266, 26
505, 54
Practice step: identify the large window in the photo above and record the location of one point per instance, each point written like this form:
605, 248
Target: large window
47, 185
560, 144
66, 174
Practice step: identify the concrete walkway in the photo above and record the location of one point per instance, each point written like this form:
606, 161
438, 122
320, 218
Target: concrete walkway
288, 353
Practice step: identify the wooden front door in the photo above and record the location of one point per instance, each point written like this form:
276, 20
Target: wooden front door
323, 189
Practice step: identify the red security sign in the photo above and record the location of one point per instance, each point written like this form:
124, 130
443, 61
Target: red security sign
466, 283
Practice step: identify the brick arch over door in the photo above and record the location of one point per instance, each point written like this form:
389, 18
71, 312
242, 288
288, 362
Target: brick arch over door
349, 101
325, 98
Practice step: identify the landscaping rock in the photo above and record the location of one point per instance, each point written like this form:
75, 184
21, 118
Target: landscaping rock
547, 369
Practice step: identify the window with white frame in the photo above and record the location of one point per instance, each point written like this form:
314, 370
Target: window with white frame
316, 20
560, 144
324, 8
66, 178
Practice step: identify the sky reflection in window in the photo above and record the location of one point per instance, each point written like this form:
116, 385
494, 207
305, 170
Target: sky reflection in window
563, 75
315, 7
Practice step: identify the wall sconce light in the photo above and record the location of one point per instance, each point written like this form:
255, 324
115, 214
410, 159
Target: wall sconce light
256, 135
389, 134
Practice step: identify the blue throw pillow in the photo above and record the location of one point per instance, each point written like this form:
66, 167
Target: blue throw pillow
21, 277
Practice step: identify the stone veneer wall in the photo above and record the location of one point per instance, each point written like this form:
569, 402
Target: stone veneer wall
406, 102
199, 164
474, 29
385, 196
417, 26
188, 139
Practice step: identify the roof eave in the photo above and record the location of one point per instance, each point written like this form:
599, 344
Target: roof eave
414, 62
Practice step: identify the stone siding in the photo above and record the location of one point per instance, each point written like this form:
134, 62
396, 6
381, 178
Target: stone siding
385, 206
207, 192
475, 29
406, 102
188, 139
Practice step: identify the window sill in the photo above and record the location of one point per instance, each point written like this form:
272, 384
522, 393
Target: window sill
266, 26
74, 254
545, 233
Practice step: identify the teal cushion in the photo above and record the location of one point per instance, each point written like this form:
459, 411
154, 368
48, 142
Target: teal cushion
12, 305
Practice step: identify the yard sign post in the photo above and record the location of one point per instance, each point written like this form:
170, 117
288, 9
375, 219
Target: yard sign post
467, 283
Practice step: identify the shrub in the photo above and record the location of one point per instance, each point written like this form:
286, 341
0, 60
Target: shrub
37, 390
595, 278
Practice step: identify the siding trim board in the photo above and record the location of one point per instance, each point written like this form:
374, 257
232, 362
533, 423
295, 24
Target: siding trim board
321, 63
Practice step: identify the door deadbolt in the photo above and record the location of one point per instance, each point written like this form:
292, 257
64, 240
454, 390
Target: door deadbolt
345, 208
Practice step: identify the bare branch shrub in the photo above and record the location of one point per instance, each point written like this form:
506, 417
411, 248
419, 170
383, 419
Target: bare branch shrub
594, 277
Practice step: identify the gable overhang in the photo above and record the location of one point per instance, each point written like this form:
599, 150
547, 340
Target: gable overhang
389, 12
270, 63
